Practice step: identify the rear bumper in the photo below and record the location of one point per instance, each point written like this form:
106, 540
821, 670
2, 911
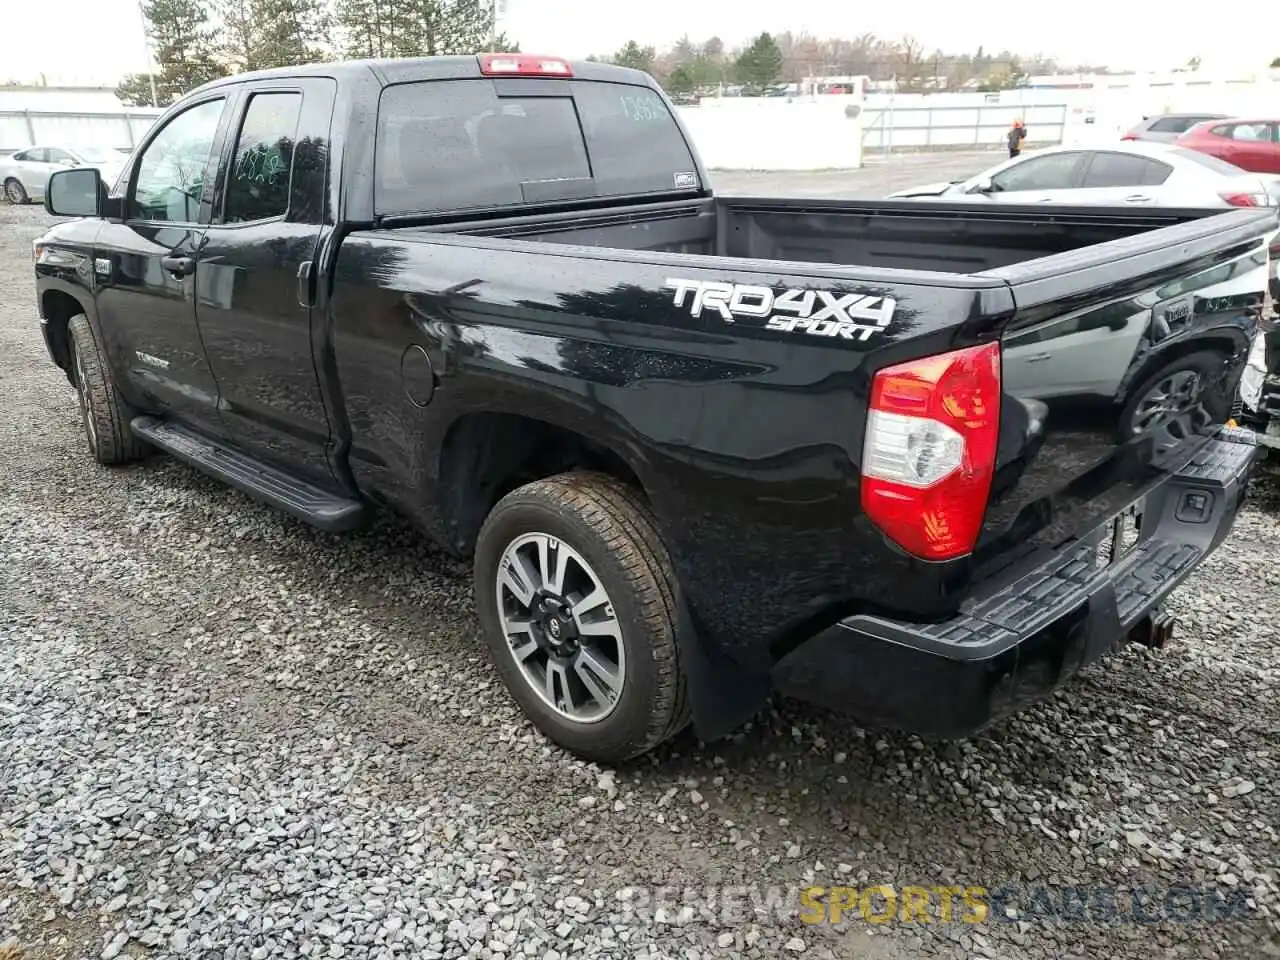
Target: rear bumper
1016, 645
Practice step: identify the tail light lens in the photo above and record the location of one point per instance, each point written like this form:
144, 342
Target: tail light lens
930, 450
1128, 136
1246, 199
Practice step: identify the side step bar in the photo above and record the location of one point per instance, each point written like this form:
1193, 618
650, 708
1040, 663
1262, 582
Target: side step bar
310, 504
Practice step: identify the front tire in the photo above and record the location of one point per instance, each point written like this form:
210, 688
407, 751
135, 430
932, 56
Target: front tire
15, 192
105, 414
578, 600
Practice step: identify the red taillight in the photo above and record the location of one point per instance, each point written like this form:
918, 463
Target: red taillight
930, 450
1246, 199
523, 65
1128, 136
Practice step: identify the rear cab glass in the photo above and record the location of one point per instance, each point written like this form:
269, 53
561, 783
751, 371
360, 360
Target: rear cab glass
456, 145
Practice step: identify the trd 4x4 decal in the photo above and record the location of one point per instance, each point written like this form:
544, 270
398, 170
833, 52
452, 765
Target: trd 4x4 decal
818, 313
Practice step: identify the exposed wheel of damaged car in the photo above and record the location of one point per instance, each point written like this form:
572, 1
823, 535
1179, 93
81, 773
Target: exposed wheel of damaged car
577, 597
1177, 401
14, 192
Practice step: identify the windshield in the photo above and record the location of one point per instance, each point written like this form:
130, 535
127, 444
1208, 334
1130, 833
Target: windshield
96, 154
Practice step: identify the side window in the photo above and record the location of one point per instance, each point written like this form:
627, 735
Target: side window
1250, 132
22, 155
1174, 124
54, 155
1223, 130
1155, 172
38, 155
1121, 170
170, 172
258, 186
1054, 172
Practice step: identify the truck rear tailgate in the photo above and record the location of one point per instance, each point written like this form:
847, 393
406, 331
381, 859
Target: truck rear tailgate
1120, 360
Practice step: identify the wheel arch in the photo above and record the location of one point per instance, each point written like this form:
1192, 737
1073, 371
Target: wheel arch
1219, 341
57, 307
487, 454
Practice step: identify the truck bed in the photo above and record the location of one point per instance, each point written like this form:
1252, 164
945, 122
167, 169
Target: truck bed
900, 235
1088, 305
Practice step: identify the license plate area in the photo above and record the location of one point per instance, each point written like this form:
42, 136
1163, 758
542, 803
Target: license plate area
1119, 536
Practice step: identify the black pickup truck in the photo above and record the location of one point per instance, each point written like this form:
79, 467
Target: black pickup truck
919, 462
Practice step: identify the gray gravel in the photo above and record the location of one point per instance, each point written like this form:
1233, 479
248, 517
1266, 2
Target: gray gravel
224, 735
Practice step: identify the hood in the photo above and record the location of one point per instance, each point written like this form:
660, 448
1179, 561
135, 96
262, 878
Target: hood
928, 190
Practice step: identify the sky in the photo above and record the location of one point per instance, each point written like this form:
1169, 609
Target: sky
98, 40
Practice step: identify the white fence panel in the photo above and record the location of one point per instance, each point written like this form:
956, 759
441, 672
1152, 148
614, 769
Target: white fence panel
106, 128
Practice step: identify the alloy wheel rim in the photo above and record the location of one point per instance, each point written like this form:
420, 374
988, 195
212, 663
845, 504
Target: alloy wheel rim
560, 627
1169, 398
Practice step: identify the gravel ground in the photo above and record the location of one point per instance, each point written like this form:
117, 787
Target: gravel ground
224, 735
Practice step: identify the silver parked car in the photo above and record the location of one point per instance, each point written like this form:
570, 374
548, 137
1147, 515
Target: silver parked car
1168, 127
1124, 173
23, 174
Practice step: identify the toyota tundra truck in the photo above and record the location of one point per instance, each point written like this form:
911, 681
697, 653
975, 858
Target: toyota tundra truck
917, 462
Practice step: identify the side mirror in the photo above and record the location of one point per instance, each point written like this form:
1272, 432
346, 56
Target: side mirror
983, 186
74, 193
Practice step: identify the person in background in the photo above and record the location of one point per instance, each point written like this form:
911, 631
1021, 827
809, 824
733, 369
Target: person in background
1017, 133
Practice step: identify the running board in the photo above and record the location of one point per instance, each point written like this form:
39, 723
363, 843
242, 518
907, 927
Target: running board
310, 504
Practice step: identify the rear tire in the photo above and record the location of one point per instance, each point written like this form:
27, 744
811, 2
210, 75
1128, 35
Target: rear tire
15, 192
587, 546
105, 414
1177, 400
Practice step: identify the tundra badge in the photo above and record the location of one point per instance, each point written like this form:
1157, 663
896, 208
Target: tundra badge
818, 313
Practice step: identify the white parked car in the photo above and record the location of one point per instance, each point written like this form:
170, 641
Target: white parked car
23, 174
1126, 173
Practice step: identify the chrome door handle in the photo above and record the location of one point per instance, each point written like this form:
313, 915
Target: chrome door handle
1137, 198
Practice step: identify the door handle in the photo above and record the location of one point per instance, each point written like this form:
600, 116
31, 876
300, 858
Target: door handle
179, 266
1137, 198
304, 284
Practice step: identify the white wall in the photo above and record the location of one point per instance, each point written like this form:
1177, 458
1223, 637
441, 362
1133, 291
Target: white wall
813, 133
120, 127
776, 133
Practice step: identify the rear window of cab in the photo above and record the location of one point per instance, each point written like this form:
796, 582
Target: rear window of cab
453, 145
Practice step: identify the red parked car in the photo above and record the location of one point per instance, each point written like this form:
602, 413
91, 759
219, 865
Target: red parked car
1252, 145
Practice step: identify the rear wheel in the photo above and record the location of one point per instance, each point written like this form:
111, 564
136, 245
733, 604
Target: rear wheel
1177, 401
104, 412
577, 597
14, 191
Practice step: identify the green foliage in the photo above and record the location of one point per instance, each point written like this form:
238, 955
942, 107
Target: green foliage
378, 28
759, 66
289, 32
241, 36
135, 91
681, 81
636, 57
1275, 64
184, 44
419, 28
